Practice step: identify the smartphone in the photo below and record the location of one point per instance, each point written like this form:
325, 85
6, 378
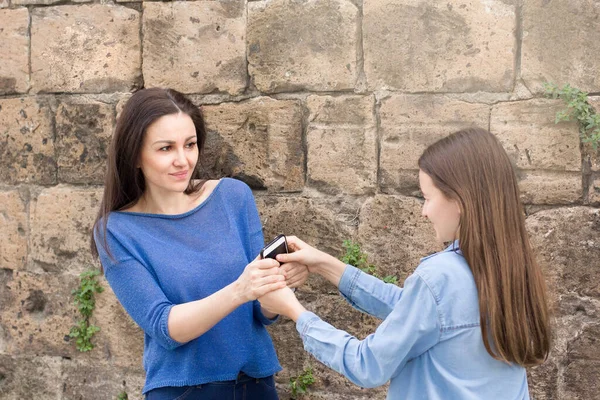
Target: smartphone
274, 247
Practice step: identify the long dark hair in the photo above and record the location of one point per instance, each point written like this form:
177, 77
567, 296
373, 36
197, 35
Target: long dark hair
124, 183
472, 168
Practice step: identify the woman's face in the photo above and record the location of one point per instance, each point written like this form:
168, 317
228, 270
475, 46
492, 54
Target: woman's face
443, 213
169, 153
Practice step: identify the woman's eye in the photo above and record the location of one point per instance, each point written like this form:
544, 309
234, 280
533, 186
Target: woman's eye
191, 145
166, 148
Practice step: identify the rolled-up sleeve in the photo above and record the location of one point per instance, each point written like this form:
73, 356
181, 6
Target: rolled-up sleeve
368, 294
410, 329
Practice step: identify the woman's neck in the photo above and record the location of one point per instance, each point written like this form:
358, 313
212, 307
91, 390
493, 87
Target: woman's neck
171, 203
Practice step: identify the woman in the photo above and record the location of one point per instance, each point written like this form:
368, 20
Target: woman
181, 257
470, 318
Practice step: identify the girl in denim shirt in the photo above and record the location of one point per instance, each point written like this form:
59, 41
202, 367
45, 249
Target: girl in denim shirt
470, 318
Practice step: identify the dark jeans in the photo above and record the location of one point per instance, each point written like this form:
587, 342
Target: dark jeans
243, 388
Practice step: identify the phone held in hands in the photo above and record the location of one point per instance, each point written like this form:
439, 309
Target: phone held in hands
274, 247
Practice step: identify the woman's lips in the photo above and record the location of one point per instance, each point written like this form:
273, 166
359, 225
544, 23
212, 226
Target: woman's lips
180, 175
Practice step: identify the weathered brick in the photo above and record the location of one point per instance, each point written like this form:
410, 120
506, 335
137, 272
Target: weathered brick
567, 242
573, 29
532, 139
581, 380
26, 142
83, 132
302, 45
119, 337
30, 377
410, 123
13, 230
61, 225
85, 48
14, 68
342, 147
450, 46
258, 141
83, 380
319, 223
549, 187
37, 314
195, 47
594, 190
395, 235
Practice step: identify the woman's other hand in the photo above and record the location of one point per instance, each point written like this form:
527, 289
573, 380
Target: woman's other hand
282, 301
259, 277
295, 274
317, 261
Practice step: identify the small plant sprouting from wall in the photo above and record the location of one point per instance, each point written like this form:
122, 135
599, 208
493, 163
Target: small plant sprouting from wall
122, 396
579, 108
299, 384
356, 257
85, 301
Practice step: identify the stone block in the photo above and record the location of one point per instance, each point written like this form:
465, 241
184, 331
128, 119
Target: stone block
322, 224
61, 221
529, 135
410, 123
568, 248
26, 142
83, 132
195, 47
549, 187
104, 381
335, 310
543, 381
573, 28
585, 346
581, 380
37, 314
302, 45
258, 141
14, 43
85, 49
13, 230
34, 2
594, 191
120, 339
30, 377
395, 235
4, 3
450, 46
342, 144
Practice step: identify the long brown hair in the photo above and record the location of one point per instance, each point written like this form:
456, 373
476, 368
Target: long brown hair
124, 183
472, 168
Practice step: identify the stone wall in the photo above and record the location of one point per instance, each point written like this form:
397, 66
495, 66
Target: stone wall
323, 107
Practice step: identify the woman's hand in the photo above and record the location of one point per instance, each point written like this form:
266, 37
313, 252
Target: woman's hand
282, 301
316, 261
259, 277
295, 274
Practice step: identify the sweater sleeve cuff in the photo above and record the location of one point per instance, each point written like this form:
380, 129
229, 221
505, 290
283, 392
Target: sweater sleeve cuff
261, 317
164, 328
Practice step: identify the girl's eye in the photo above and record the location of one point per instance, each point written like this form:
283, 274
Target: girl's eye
166, 148
191, 145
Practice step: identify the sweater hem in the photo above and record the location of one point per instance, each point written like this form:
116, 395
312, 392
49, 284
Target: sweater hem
207, 379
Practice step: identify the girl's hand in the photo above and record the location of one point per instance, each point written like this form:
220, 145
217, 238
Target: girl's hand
283, 302
315, 260
259, 277
295, 274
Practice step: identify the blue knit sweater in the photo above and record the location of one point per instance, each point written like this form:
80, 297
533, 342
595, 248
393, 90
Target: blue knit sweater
164, 260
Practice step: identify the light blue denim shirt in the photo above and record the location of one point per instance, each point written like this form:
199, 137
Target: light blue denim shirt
429, 345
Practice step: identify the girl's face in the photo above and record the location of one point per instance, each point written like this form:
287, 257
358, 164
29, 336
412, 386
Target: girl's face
169, 153
443, 213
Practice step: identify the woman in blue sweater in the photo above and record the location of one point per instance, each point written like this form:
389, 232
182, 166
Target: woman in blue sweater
470, 318
181, 256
